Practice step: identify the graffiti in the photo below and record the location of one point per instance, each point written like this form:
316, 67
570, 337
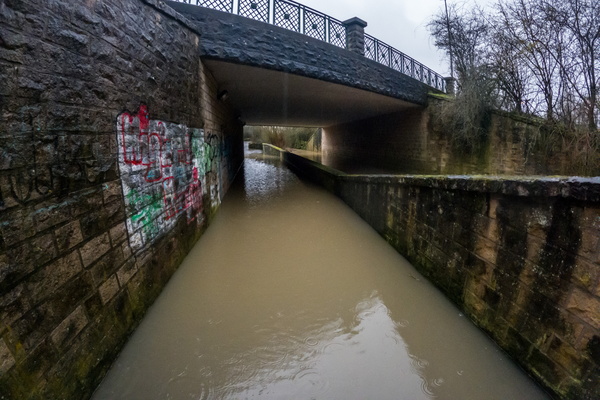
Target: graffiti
166, 171
212, 161
43, 166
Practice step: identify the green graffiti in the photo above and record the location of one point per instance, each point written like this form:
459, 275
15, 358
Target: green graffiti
148, 214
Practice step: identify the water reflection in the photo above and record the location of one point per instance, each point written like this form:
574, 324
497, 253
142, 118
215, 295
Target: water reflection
329, 361
264, 179
290, 295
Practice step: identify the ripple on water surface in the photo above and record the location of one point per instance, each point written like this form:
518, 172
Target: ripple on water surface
289, 295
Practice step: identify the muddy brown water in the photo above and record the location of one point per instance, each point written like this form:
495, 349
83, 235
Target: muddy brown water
290, 295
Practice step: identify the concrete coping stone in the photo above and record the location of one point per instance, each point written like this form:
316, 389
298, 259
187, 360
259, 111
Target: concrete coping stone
574, 187
579, 188
355, 21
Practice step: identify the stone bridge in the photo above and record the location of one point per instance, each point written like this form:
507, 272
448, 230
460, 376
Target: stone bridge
309, 68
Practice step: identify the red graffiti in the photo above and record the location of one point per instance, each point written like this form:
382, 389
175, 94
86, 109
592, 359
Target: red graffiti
164, 151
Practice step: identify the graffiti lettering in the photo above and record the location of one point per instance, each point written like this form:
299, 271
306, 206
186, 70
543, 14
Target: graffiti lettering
166, 161
39, 167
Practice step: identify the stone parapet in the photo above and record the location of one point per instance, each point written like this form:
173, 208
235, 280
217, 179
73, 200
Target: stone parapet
520, 256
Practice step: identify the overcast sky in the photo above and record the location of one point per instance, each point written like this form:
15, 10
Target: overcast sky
399, 23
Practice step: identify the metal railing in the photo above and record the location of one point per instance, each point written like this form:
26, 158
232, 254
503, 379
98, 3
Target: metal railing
299, 18
387, 55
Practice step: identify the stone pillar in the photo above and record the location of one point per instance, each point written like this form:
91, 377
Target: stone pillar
450, 85
355, 35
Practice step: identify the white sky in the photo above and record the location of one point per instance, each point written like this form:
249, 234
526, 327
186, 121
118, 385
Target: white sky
400, 23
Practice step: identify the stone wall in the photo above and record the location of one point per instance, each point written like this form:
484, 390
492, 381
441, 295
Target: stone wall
114, 155
390, 142
415, 142
520, 257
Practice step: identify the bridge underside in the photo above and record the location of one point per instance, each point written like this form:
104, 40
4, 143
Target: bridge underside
274, 76
268, 97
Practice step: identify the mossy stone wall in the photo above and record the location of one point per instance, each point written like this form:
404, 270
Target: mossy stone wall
521, 257
75, 279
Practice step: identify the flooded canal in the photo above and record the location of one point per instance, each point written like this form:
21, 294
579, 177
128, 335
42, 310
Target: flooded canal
290, 295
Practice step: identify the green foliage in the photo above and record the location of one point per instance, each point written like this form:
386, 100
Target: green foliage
291, 137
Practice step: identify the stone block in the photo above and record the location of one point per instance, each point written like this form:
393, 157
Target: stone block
125, 273
516, 345
15, 264
118, 234
107, 265
590, 217
45, 282
474, 305
127, 252
493, 207
514, 240
50, 214
17, 226
539, 221
535, 246
574, 328
584, 305
590, 245
593, 348
566, 356
69, 328
463, 235
546, 369
491, 297
31, 370
100, 220
586, 274
486, 249
43, 249
6, 358
111, 191
88, 200
94, 249
13, 304
68, 236
515, 316
108, 289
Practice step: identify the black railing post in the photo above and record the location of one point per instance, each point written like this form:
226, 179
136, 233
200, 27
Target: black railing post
355, 35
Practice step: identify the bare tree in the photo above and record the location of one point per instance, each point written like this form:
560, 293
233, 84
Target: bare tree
580, 19
539, 44
513, 78
462, 35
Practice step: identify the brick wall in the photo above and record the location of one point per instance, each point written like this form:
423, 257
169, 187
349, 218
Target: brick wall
114, 155
520, 257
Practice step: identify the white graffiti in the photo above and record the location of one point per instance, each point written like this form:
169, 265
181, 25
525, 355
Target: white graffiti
166, 171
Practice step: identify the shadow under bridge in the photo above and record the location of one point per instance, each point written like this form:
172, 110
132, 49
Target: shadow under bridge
272, 75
